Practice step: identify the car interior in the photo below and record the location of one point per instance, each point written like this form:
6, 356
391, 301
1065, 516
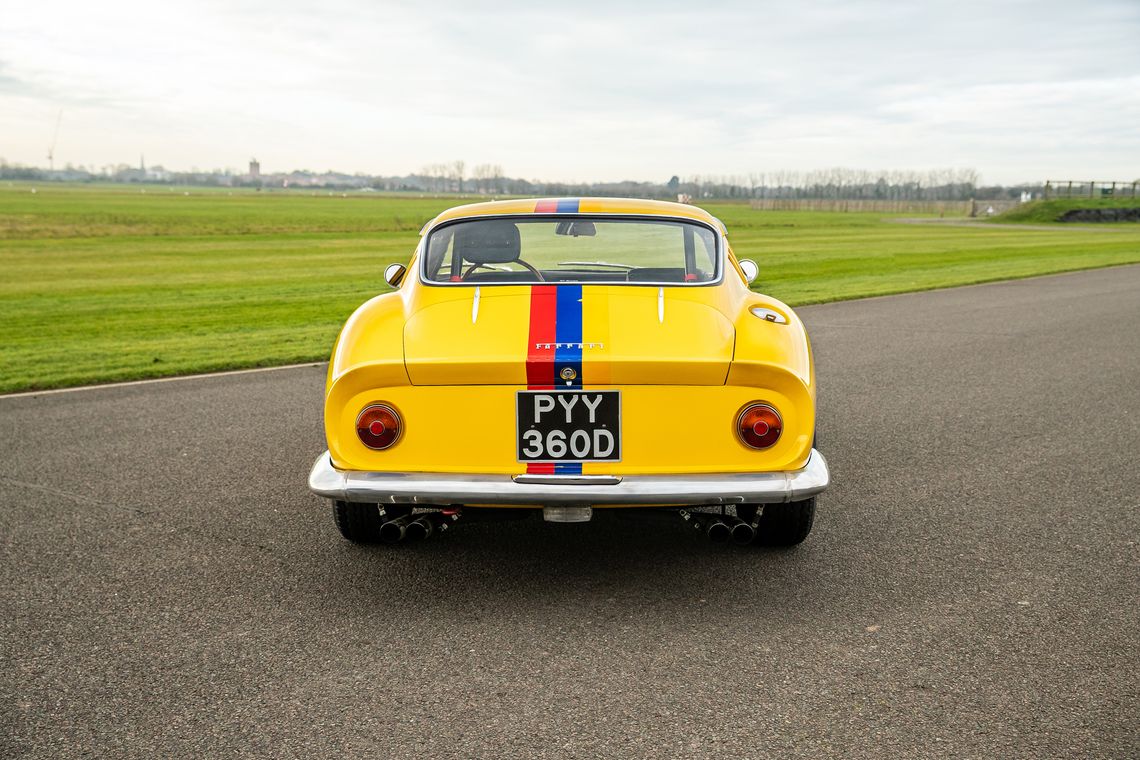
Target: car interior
490, 251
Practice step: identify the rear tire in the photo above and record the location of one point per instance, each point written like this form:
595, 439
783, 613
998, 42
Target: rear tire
785, 524
360, 523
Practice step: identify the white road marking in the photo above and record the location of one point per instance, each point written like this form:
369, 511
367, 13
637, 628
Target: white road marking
175, 378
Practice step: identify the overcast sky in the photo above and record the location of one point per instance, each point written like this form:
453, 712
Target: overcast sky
578, 91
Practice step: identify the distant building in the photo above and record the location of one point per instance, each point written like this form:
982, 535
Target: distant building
254, 169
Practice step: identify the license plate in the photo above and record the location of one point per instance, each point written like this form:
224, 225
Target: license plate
569, 426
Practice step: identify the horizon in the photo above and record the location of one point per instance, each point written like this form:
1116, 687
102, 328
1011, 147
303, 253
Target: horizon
772, 178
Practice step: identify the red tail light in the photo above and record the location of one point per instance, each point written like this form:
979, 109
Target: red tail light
759, 426
378, 426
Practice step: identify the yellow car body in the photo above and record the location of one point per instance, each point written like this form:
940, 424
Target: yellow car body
452, 358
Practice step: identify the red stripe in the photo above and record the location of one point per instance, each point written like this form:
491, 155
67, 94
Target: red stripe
545, 207
540, 351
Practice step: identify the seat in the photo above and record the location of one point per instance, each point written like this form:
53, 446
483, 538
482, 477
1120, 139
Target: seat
495, 241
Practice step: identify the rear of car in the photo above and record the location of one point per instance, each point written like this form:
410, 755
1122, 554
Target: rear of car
569, 359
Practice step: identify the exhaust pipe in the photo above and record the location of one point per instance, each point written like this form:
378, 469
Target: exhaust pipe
393, 531
727, 527
720, 531
743, 533
427, 525
719, 528
419, 529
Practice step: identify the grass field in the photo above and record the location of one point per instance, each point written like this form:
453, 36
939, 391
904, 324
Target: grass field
112, 283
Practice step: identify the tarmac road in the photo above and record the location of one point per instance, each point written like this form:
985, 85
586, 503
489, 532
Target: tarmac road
171, 589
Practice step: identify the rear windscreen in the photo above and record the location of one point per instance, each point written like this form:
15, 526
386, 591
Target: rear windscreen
572, 249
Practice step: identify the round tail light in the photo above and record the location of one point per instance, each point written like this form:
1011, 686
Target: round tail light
378, 426
759, 426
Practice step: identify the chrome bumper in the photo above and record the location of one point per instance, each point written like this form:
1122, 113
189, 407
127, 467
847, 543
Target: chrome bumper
598, 490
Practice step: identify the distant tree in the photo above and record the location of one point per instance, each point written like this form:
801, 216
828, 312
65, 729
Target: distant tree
755, 180
457, 168
487, 178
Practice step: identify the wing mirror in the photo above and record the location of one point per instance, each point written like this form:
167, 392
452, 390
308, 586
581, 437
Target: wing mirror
394, 273
750, 269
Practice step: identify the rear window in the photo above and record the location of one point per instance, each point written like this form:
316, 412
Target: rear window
572, 249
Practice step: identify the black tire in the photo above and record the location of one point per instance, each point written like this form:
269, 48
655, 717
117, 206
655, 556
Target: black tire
360, 523
785, 524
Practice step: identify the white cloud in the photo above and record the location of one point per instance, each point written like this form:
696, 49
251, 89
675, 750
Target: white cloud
596, 90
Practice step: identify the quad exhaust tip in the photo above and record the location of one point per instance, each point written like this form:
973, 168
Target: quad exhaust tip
720, 529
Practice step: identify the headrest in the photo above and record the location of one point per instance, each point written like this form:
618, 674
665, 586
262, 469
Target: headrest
495, 241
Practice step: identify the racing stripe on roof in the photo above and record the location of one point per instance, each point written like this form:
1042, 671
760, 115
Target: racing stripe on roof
557, 206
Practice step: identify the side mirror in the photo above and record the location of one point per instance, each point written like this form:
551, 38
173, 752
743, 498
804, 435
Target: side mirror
394, 273
750, 269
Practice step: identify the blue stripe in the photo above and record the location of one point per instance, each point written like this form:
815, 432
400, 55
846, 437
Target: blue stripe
567, 206
568, 329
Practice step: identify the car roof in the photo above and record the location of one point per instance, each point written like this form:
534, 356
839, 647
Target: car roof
546, 206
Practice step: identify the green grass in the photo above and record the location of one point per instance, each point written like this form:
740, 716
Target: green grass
109, 283
1047, 212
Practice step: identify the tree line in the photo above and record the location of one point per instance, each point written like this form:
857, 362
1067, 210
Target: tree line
487, 179
946, 184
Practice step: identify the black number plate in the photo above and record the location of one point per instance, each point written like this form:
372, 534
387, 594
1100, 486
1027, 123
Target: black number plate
569, 426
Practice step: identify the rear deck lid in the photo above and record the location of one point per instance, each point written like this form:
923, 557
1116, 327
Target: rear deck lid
540, 335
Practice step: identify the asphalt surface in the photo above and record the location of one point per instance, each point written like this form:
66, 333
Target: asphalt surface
171, 589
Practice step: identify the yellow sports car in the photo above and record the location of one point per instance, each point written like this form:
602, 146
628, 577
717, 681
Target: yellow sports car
564, 356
